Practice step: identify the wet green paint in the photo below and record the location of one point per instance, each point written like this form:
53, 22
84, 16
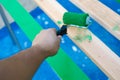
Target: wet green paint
83, 37
116, 28
70, 18
78, 20
59, 22
118, 1
61, 63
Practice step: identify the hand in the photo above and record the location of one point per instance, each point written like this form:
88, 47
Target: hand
47, 41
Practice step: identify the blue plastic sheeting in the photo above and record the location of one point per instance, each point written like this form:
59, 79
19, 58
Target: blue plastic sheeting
113, 4
97, 29
71, 49
7, 47
74, 52
45, 72
67, 45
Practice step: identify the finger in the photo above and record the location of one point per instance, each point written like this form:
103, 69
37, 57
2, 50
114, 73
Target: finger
52, 30
59, 36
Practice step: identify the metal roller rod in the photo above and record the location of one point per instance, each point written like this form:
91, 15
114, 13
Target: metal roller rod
15, 40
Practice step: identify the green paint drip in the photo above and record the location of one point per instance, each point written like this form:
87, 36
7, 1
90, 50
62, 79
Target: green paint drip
59, 22
116, 28
70, 18
61, 63
83, 36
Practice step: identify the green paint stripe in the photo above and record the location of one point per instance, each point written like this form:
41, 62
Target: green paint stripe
65, 67
22, 18
118, 1
61, 63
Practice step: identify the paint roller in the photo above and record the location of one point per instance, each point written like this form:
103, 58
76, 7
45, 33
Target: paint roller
73, 19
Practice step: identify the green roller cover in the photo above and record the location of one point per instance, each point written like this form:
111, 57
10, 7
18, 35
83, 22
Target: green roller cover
62, 64
70, 18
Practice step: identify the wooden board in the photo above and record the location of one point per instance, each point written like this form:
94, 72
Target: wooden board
101, 13
96, 50
31, 30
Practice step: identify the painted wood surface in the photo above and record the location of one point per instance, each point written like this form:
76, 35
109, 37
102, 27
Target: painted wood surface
101, 13
99, 53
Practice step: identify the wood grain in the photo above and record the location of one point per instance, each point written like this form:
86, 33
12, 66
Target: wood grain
101, 13
96, 50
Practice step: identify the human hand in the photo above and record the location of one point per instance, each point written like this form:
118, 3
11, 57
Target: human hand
47, 41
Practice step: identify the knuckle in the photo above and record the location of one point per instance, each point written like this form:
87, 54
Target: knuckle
52, 29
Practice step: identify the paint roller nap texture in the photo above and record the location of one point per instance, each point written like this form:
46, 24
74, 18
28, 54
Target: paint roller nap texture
76, 19
70, 18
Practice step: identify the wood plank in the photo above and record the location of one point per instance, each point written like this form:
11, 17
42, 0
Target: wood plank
33, 28
101, 13
99, 53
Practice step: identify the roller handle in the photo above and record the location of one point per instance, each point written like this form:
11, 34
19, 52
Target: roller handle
62, 31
